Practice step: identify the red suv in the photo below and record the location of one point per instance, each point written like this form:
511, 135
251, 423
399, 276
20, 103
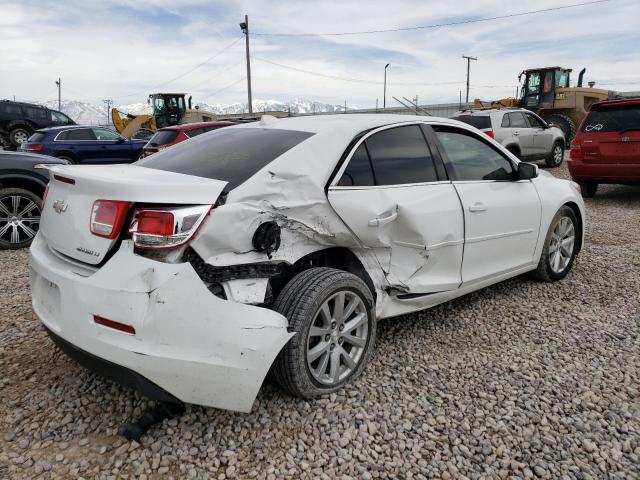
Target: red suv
167, 136
606, 148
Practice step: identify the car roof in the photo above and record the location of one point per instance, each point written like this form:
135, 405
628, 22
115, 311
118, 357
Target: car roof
618, 102
185, 127
71, 127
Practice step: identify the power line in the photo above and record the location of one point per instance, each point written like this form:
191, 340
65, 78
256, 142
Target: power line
437, 25
211, 94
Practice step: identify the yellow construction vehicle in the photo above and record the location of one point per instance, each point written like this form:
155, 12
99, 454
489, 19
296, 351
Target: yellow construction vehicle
168, 109
546, 91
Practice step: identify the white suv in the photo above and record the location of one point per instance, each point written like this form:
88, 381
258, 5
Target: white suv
520, 131
279, 244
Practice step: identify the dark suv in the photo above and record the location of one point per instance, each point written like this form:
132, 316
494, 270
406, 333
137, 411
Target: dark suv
19, 120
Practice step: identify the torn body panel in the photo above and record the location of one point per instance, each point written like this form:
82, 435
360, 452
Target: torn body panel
199, 348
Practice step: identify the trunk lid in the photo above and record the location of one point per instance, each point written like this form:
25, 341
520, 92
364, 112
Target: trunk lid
74, 189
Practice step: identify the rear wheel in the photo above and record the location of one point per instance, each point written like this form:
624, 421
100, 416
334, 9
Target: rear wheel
19, 217
66, 158
588, 189
564, 123
554, 159
560, 247
18, 136
332, 313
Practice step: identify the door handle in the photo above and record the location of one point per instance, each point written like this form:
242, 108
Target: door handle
379, 221
478, 207
516, 134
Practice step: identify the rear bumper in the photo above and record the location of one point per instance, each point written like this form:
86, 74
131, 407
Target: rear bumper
609, 172
188, 346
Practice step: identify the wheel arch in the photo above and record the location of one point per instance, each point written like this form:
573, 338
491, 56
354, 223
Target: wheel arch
24, 182
340, 258
576, 210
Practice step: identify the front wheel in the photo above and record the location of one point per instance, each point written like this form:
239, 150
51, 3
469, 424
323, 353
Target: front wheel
556, 156
560, 247
332, 313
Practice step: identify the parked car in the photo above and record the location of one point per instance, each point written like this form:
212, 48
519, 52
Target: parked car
167, 136
22, 188
279, 244
520, 131
84, 144
606, 148
19, 120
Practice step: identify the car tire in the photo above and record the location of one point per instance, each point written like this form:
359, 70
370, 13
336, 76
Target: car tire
66, 158
560, 247
514, 151
564, 123
588, 189
17, 231
18, 136
554, 159
310, 301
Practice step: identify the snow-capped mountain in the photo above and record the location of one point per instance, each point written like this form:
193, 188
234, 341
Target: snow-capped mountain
91, 114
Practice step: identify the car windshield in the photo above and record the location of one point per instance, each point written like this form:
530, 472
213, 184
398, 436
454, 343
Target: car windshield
162, 137
613, 119
478, 121
229, 154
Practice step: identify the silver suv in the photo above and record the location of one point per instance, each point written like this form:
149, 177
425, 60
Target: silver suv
522, 132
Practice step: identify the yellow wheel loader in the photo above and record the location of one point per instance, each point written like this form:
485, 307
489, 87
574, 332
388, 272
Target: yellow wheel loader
546, 91
168, 109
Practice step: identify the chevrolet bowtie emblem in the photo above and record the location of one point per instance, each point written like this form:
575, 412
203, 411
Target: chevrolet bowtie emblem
59, 206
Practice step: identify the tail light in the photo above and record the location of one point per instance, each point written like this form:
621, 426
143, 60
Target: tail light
170, 227
489, 133
33, 147
107, 217
576, 152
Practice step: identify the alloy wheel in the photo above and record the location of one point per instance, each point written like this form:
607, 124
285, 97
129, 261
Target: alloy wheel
19, 219
20, 137
561, 245
337, 338
557, 154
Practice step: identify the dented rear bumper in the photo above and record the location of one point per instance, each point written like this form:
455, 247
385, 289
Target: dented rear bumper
190, 344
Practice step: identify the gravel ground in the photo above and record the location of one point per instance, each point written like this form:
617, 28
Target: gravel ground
522, 379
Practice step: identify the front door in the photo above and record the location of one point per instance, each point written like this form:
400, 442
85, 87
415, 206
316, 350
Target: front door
112, 147
501, 213
522, 131
543, 136
393, 195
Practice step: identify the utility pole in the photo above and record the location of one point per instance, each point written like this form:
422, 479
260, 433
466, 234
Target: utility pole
108, 102
59, 84
244, 26
384, 97
468, 68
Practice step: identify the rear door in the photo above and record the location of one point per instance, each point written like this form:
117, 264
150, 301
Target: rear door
392, 192
79, 142
501, 213
612, 135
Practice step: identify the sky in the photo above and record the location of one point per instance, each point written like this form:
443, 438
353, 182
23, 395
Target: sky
124, 50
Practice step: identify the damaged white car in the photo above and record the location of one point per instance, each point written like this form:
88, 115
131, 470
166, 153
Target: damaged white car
279, 244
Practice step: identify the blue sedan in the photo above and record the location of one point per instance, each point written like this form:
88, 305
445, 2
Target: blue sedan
84, 144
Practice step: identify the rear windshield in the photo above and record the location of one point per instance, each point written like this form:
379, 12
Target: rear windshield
37, 137
162, 137
229, 154
480, 122
613, 119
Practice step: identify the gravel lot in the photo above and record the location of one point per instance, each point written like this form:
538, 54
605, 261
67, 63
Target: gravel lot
522, 379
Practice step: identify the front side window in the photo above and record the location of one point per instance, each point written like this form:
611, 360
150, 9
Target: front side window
472, 159
517, 120
77, 134
59, 118
534, 121
105, 134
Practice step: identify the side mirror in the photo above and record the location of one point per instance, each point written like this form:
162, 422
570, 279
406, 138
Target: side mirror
549, 125
121, 140
527, 171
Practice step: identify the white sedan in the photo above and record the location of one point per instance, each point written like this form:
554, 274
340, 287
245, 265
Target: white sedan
279, 244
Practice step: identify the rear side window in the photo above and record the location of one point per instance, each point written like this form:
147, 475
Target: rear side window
10, 108
472, 159
229, 154
517, 120
194, 132
163, 137
400, 156
479, 121
36, 113
37, 137
358, 172
77, 134
613, 119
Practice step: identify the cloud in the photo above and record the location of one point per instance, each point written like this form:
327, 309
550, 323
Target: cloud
122, 50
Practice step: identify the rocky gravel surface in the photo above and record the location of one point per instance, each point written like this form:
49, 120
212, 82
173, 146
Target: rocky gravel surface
520, 380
